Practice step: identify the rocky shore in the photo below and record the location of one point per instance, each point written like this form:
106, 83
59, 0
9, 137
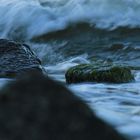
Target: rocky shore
35, 107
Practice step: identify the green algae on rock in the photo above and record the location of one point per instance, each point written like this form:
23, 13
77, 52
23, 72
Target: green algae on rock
91, 73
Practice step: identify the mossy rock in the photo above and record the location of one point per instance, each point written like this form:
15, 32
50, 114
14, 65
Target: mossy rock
91, 73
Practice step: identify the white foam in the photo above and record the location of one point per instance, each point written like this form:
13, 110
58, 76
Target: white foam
36, 17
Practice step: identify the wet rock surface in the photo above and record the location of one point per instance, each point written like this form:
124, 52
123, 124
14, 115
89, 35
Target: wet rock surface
92, 73
16, 58
37, 108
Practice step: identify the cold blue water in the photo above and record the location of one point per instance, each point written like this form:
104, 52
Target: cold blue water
67, 33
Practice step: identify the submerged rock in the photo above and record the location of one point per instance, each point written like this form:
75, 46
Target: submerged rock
37, 108
16, 58
91, 73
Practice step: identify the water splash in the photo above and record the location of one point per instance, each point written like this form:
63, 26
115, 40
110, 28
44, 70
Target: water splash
26, 19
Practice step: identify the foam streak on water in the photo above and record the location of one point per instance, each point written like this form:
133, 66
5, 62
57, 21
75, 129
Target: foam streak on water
36, 17
117, 104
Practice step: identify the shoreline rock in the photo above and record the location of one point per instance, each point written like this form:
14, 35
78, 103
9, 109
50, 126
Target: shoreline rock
16, 58
92, 73
38, 108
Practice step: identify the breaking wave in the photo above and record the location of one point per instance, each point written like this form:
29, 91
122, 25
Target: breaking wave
27, 19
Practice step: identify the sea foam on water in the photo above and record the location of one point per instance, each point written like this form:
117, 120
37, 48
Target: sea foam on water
37, 17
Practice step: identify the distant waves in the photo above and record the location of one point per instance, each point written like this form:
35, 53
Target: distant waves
26, 19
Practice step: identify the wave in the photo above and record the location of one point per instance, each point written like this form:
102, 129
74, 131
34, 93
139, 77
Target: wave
27, 19
84, 32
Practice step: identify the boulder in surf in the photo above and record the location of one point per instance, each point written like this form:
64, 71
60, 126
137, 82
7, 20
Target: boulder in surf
16, 58
92, 73
38, 108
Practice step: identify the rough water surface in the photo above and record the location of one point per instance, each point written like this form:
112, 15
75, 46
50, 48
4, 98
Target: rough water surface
67, 33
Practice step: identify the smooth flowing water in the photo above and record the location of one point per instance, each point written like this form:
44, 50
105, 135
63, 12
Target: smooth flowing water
67, 33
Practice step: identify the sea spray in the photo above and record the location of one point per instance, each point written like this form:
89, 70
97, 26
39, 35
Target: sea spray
26, 19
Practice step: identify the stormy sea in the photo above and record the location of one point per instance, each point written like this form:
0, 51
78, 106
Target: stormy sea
65, 33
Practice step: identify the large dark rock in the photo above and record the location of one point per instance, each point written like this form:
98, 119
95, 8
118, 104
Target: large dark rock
16, 58
92, 73
37, 108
